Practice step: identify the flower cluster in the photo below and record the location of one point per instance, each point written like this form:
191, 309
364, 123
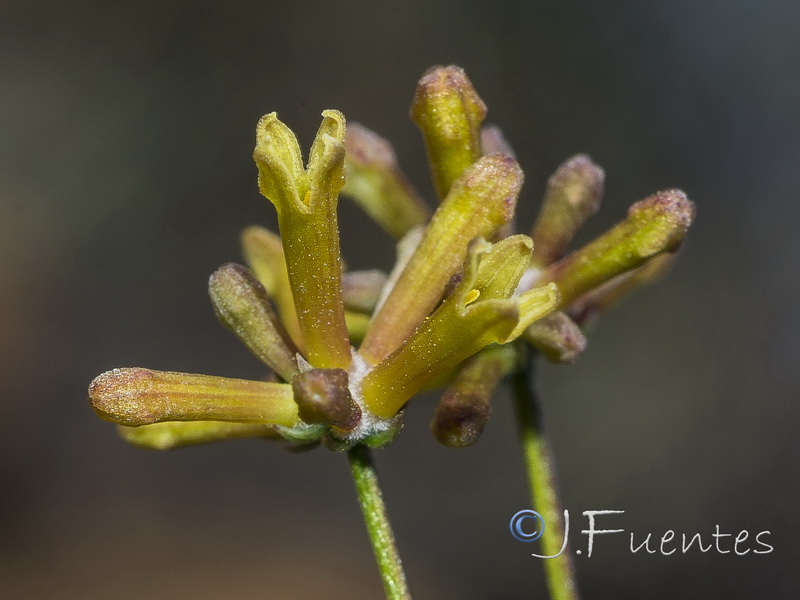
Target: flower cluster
347, 350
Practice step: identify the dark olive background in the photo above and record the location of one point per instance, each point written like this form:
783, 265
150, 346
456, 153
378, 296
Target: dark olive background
126, 131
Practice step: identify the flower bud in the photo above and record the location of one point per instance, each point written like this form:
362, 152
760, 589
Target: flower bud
404, 249
323, 396
449, 113
460, 418
557, 337
176, 434
138, 396
357, 325
376, 182
573, 195
241, 304
608, 294
361, 289
654, 225
466, 404
494, 142
263, 253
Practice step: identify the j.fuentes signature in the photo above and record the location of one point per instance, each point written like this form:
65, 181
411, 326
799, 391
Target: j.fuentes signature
528, 525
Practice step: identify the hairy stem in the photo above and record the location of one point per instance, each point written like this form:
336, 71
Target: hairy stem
543, 483
377, 522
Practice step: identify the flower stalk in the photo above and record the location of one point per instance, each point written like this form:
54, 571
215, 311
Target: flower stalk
376, 519
543, 483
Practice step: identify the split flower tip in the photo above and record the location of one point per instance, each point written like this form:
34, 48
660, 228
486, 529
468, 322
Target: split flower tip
306, 201
241, 304
136, 396
377, 183
449, 113
573, 195
326, 170
282, 178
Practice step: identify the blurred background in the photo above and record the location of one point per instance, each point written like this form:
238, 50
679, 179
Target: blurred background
126, 132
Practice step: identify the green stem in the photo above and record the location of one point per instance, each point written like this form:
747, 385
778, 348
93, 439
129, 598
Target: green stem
376, 520
543, 483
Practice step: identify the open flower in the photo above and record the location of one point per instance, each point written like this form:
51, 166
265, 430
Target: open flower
347, 351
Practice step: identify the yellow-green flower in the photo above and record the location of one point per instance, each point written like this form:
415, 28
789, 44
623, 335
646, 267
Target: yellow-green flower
348, 351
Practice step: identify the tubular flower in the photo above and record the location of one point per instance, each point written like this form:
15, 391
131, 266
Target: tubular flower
349, 350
